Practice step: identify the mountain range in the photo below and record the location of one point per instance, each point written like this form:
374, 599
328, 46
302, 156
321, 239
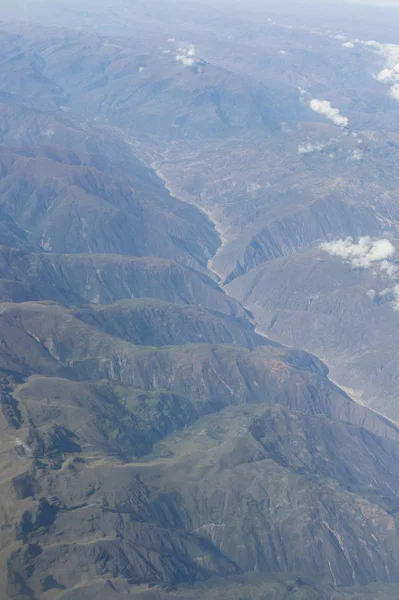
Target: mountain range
198, 351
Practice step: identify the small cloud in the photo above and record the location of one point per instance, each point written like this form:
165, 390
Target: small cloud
165, 51
283, 51
309, 148
171, 40
187, 56
185, 60
395, 91
390, 294
390, 73
365, 254
389, 268
338, 37
395, 290
323, 107
356, 155
141, 69
374, 44
348, 45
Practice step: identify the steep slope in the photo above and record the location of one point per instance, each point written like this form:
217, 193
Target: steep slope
235, 510
155, 323
344, 314
104, 279
81, 407
74, 204
10, 234
271, 200
21, 126
217, 499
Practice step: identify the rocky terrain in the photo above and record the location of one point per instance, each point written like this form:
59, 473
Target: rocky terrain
319, 316
172, 211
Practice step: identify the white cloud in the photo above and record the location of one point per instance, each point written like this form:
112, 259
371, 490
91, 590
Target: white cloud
395, 290
389, 268
368, 253
395, 91
186, 62
309, 148
390, 293
356, 155
348, 45
323, 107
390, 73
187, 56
364, 254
